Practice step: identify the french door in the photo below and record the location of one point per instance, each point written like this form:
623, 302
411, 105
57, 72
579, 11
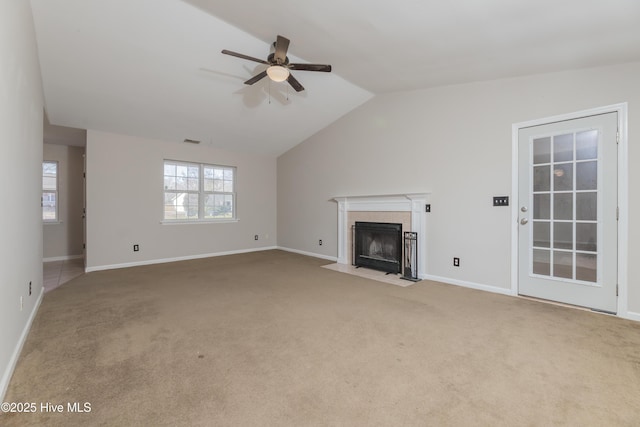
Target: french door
567, 211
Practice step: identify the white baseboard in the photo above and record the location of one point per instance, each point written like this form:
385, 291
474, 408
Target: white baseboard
182, 258
466, 284
630, 315
62, 258
8, 373
296, 251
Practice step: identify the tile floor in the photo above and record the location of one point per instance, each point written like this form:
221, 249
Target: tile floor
380, 276
58, 272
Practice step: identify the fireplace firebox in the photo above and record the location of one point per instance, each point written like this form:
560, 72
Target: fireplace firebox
378, 245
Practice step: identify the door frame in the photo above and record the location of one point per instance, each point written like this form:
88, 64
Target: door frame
623, 193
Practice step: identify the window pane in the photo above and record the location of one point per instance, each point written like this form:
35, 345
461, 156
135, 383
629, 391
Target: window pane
218, 185
587, 145
49, 206
49, 168
587, 176
49, 176
208, 184
541, 234
587, 267
170, 169
541, 262
587, 237
541, 178
228, 186
563, 177
169, 183
563, 206
563, 235
563, 148
542, 206
228, 174
218, 173
542, 150
208, 172
587, 206
563, 264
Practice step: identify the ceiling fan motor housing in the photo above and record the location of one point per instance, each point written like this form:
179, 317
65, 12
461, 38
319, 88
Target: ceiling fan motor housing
272, 60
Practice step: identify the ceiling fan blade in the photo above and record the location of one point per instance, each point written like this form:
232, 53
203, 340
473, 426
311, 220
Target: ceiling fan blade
282, 45
256, 78
295, 83
239, 55
311, 67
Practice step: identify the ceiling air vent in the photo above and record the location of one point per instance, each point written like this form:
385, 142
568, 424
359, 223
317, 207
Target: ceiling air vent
191, 141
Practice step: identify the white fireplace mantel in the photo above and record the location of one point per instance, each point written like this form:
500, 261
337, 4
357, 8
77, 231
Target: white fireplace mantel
414, 203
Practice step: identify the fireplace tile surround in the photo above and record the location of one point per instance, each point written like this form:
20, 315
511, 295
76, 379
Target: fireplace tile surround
407, 209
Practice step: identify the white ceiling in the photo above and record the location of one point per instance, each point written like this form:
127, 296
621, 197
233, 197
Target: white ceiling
153, 68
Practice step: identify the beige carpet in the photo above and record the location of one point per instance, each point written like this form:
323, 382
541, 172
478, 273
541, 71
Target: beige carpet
272, 339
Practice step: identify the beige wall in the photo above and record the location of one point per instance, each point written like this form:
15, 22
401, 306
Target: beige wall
21, 115
125, 202
456, 143
64, 239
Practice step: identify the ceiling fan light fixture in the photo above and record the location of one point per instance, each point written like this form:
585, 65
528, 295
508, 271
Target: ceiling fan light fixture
278, 73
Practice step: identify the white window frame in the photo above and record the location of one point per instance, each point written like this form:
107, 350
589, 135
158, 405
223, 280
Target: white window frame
55, 192
203, 191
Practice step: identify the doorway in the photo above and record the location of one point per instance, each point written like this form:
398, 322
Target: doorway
567, 209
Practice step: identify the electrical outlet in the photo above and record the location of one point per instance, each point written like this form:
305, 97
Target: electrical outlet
29, 288
320, 242
136, 248
427, 208
456, 262
255, 237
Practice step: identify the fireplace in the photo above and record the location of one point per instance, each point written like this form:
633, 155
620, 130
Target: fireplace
378, 245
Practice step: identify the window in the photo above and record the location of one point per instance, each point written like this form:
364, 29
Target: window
49, 191
198, 192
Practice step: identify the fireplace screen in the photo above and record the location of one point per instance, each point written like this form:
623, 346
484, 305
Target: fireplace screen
378, 245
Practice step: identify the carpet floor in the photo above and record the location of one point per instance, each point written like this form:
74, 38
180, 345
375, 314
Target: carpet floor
272, 339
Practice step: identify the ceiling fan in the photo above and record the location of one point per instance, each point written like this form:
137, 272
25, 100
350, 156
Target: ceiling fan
279, 66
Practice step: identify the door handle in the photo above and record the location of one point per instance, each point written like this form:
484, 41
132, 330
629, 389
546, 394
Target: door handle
523, 221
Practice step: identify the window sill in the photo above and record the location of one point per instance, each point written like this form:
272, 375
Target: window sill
201, 221
51, 222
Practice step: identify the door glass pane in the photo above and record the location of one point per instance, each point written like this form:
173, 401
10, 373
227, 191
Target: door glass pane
587, 176
563, 235
541, 206
587, 237
563, 206
541, 234
586, 206
587, 145
563, 148
542, 150
541, 262
563, 177
587, 267
541, 178
563, 264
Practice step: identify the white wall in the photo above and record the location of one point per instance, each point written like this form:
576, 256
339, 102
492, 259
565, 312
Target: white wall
125, 202
21, 115
63, 239
456, 143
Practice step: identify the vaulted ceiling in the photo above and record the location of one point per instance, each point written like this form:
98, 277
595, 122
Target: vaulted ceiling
153, 68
